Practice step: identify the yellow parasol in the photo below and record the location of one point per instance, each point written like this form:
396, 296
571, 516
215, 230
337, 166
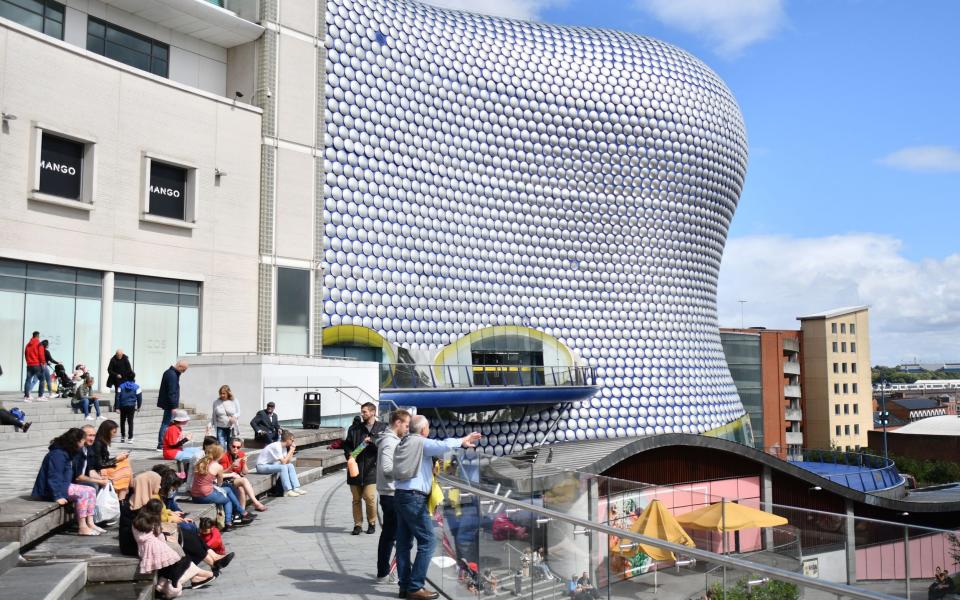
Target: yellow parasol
656, 522
729, 516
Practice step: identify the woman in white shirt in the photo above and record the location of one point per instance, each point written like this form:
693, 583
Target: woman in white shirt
225, 416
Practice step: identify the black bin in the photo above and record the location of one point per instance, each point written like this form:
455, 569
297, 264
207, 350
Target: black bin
311, 410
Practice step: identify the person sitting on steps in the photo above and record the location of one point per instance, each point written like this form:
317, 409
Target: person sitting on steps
156, 554
11, 418
175, 439
266, 426
55, 480
207, 486
278, 458
234, 463
86, 398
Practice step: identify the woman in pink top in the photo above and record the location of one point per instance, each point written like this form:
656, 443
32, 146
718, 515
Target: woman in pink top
172, 569
207, 478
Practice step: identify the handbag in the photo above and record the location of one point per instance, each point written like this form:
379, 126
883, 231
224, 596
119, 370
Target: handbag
108, 504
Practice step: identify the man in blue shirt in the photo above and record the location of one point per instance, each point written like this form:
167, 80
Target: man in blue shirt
410, 503
169, 397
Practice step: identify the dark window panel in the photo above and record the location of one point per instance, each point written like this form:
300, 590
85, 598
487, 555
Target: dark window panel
39, 271
156, 298
15, 284
53, 29
89, 277
96, 28
13, 267
190, 287
293, 297
124, 280
159, 67
127, 56
127, 40
124, 295
156, 284
51, 287
21, 15
88, 291
168, 190
95, 44
186, 300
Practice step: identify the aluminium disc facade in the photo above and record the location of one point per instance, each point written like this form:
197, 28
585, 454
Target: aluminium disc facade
484, 171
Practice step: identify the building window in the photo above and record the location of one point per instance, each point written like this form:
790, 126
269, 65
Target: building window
123, 45
856, 409
44, 16
63, 172
846, 409
844, 367
853, 346
836, 409
836, 388
846, 388
843, 346
836, 367
853, 367
843, 327
833, 327
853, 328
293, 311
834, 346
856, 388
169, 192
838, 430
846, 430
856, 429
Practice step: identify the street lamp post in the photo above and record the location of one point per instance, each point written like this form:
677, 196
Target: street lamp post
884, 415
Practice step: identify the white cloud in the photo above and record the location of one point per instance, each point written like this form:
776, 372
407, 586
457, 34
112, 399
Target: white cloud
728, 25
529, 10
924, 158
914, 305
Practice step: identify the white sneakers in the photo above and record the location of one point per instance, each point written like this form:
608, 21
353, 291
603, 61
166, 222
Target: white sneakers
294, 493
89, 418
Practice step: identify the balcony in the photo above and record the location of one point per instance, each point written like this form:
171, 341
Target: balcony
794, 438
197, 18
791, 345
478, 386
791, 368
793, 414
791, 391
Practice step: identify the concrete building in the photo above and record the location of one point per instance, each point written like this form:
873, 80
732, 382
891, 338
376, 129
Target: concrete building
766, 368
129, 183
838, 405
374, 179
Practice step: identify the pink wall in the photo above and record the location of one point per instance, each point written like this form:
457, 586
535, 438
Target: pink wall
886, 561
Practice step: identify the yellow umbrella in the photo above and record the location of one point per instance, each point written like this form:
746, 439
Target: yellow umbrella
657, 522
729, 516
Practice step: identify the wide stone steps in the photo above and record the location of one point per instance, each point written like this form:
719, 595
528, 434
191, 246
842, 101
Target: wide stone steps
60, 581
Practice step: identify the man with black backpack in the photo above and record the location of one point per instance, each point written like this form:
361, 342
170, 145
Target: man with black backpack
128, 401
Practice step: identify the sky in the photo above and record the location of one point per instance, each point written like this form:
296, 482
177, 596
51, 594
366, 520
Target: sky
852, 194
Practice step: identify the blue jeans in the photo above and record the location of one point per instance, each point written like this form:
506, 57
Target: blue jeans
413, 523
86, 403
164, 423
34, 374
288, 474
227, 499
188, 453
223, 436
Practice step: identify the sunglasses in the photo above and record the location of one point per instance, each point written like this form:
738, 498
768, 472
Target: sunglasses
236, 447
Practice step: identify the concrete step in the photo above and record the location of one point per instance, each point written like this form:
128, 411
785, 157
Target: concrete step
127, 590
9, 556
44, 582
62, 406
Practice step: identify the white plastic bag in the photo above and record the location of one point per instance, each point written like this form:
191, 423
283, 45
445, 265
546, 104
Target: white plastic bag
108, 504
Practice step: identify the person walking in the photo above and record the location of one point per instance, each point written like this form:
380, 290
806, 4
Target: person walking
169, 397
34, 356
118, 369
48, 362
266, 427
128, 402
360, 444
413, 472
387, 442
225, 416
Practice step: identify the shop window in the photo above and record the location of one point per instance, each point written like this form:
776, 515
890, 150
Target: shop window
63, 169
45, 16
170, 192
128, 47
293, 311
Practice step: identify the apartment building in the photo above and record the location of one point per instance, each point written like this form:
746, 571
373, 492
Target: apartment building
837, 393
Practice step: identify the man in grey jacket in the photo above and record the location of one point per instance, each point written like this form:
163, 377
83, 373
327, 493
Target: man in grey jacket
387, 442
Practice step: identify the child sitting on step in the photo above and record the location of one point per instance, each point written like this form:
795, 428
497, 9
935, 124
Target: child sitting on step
156, 554
211, 535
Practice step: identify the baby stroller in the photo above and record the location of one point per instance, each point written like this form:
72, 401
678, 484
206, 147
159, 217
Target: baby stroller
65, 385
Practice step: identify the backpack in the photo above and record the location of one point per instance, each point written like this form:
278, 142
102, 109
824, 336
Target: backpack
127, 396
19, 414
407, 457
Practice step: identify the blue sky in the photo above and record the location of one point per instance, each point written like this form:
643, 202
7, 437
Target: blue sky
852, 110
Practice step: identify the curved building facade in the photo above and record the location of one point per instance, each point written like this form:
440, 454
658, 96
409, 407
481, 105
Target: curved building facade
484, 172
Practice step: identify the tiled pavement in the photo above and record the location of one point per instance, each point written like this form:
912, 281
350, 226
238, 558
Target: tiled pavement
302, 547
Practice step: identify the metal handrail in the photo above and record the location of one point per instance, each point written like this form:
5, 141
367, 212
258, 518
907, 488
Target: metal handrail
838, 590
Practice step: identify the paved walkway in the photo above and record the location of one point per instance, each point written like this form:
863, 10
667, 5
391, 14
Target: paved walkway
303, 546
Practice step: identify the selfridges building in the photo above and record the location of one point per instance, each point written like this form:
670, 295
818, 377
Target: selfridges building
499, 184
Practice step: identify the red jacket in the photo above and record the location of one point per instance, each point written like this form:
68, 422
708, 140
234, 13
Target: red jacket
170, 441
214, 541
34, 353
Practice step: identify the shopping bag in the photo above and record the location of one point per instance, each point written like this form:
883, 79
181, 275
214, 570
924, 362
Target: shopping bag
108, 505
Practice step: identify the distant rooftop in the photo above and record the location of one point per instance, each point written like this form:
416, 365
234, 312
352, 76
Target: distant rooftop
916, 403
942, 425
836, 312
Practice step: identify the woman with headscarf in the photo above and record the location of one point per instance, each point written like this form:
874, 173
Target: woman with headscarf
146, 487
